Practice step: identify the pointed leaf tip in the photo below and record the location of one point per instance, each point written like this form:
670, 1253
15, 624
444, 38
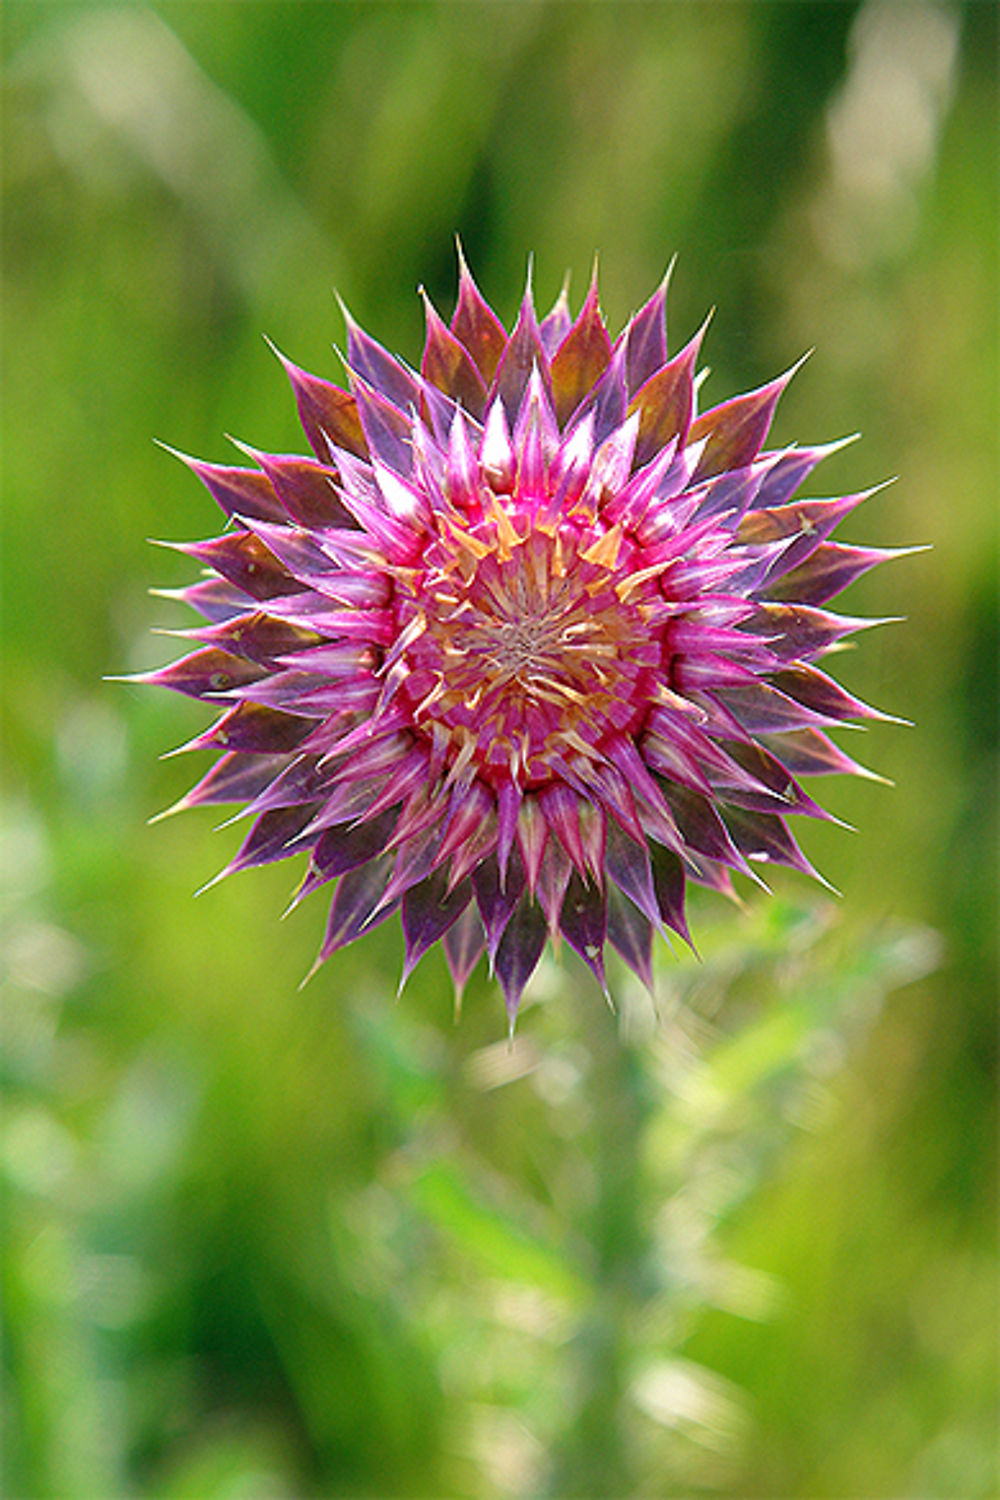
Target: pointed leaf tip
737, 428
581, 358
476, 325
449, 366
328, 413
646, 337
520, 949
314, 968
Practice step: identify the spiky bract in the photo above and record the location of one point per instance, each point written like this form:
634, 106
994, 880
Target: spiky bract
527, 645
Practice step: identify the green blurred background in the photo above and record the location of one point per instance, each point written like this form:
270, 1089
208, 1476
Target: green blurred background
263, 1242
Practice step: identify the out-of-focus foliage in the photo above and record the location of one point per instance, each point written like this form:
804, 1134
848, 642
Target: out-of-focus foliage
260, 1241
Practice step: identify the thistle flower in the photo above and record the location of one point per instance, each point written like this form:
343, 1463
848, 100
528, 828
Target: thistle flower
527, 644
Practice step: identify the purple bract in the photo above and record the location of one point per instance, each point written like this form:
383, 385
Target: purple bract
527, 645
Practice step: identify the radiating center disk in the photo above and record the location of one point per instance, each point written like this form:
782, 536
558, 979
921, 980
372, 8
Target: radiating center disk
524, 649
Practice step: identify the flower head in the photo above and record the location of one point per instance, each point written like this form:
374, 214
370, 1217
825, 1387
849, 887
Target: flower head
527, 645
